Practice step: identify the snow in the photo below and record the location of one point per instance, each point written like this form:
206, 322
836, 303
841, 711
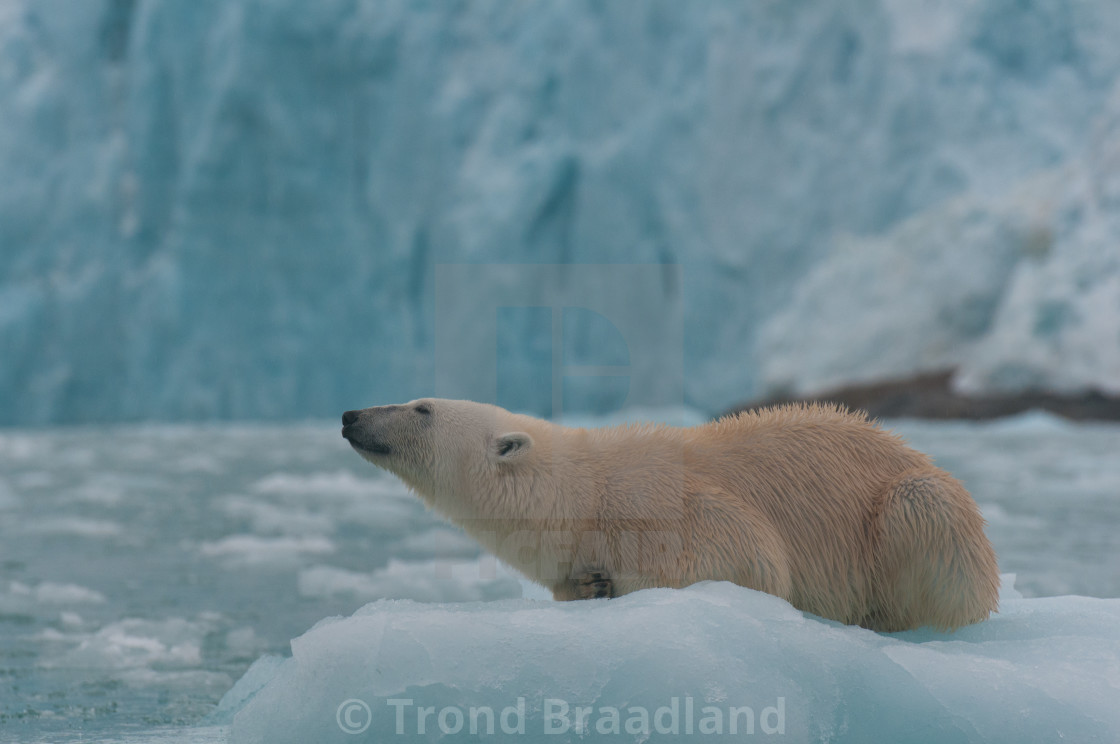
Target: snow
240, 209
1041, 669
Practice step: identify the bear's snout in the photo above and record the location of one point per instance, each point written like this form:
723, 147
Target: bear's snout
358, 433
348, 420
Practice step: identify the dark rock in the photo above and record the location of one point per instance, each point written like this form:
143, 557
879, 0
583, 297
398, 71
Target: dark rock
929, 396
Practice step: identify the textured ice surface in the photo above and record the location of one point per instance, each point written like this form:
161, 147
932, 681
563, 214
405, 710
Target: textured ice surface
237, 208
1041, 670
1019, 290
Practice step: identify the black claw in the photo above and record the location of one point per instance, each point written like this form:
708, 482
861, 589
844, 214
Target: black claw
595, 584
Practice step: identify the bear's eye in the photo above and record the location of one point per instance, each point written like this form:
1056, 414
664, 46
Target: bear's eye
423, 408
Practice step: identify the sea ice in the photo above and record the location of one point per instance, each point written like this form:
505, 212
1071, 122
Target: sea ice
423, 581
254, 550
693, 662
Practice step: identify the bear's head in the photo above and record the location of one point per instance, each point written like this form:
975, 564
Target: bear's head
441, 448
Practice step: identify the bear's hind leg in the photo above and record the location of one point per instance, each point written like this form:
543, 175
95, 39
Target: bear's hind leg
933, 563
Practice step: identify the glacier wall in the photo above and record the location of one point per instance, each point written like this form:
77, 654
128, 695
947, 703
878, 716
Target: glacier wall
238, 209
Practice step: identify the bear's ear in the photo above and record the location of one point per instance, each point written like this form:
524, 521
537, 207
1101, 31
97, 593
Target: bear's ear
511, 446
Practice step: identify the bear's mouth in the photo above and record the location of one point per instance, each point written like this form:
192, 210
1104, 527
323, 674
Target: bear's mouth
364, 445
371, 448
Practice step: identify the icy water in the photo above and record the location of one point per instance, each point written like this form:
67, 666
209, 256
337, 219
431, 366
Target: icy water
143, 569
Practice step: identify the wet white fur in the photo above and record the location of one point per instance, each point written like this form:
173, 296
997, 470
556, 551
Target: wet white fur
810, 503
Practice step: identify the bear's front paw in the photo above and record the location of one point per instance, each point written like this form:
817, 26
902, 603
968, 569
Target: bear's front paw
594, 584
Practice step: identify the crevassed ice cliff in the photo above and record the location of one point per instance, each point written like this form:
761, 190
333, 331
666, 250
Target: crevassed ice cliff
240, 208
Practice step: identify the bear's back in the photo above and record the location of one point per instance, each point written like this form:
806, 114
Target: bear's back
803, 443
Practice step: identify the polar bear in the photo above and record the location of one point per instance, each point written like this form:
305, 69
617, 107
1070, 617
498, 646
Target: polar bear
808, 502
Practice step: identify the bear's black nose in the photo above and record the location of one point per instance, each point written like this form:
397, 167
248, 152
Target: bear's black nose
350, 417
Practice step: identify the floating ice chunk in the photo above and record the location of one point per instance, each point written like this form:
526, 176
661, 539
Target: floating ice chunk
382, 505
77, 527
423, 581
50, 593
342, 483
389, 517
106, 489
18, 600
136, 643
22, 599
196, 462
686, 662
19, 589
70, 620
244, 642
20, 447
995, 514
255, 677
271, 519
1030, 422
256, 550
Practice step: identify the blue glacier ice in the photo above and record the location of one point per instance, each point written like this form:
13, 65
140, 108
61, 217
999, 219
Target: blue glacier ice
239, 208
1016, 290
